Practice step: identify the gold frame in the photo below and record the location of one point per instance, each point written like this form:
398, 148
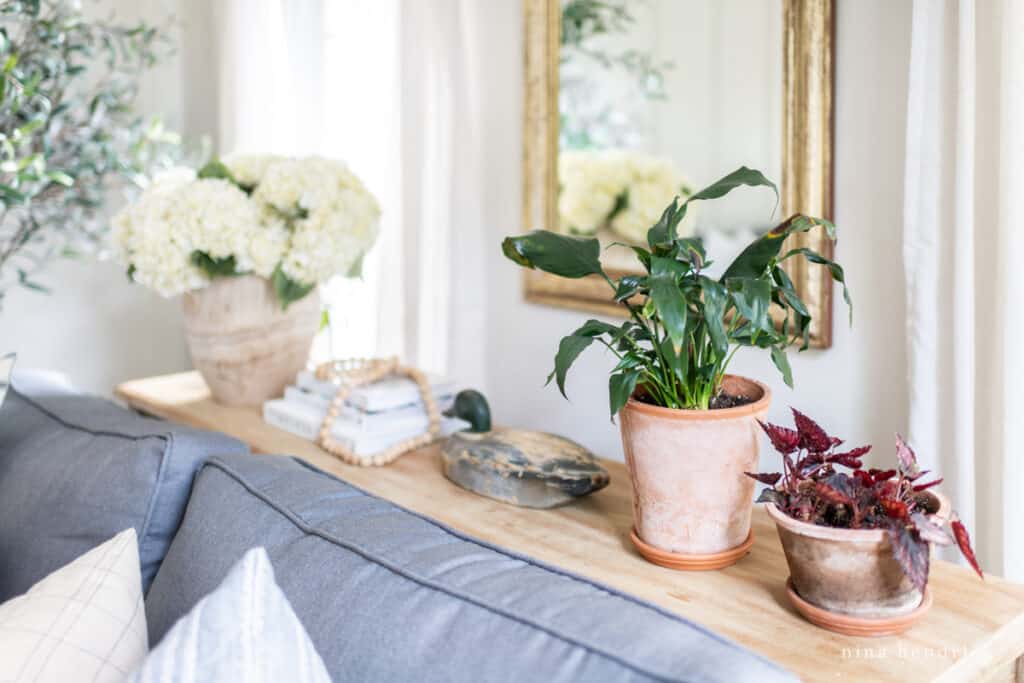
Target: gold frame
807, 75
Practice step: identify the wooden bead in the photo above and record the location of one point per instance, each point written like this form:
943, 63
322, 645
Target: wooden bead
351, 373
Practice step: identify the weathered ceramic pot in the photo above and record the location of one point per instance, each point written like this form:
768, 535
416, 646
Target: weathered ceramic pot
246, 346
690, 496
848, 571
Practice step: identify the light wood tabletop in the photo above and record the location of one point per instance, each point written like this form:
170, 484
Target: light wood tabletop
974, 631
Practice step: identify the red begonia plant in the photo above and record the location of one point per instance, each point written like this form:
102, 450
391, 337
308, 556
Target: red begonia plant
813, 489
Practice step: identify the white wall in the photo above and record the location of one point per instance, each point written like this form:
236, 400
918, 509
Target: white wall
856, 388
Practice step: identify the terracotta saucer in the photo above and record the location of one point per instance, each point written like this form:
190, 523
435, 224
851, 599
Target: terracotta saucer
671, 560
858, 626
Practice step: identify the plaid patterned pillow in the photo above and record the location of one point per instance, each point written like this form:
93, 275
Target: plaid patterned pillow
84, 622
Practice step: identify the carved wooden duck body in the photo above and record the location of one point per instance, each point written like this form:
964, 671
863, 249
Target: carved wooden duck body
517, 466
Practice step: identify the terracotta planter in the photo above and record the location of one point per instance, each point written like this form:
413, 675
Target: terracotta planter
847, 571
246, 347
690, 496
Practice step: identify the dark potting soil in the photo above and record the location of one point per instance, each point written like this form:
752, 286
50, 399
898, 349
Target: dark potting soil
722, 400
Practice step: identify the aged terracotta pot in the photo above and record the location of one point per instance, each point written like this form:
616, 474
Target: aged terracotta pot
246, 347
690, 496
848, 571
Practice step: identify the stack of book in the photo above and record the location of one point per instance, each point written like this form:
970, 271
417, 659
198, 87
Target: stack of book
373, 418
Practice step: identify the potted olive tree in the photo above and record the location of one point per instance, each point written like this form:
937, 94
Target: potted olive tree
689, 430
857, 542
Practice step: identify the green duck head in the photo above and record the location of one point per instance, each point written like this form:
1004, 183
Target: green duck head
471, 406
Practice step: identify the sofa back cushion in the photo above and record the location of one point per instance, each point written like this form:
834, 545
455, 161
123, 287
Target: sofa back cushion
386, 594
75, 470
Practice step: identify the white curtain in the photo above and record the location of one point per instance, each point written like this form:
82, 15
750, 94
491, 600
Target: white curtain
963, 245
390, 88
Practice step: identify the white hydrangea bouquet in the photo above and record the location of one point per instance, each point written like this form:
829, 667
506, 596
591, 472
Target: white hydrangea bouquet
295, 222
624, 191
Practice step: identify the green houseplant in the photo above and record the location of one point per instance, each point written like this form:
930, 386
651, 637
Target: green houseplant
689, 429
69, 130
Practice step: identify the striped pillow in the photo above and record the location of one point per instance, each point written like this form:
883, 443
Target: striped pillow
244, 630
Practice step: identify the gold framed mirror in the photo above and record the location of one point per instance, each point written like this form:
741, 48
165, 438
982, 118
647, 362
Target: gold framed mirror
795, 140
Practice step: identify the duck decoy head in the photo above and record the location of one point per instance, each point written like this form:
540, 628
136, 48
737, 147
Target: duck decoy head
471, 406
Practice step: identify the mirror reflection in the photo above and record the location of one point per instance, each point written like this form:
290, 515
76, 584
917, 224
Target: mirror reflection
659, 98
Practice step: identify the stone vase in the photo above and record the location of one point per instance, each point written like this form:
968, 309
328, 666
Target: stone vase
247, 348
848, 571
690, 494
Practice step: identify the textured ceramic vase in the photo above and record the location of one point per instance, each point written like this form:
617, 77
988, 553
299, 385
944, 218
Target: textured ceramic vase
847, 571
246, 347
690, 495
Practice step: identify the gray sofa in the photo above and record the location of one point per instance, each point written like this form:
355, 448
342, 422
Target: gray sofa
385, 594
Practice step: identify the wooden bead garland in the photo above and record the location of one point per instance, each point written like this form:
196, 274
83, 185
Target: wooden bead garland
351, 373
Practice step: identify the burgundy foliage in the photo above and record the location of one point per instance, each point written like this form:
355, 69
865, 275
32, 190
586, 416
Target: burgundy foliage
812, 489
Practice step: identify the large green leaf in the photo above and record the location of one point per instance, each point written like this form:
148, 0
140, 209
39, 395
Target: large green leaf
752, 298
782, 363
621, 386
834, 269
742, 176
756, 258
663, 233
668, 300
716, 299
562, 255
573, 345
287, 289
215, 168
214, 267
629, 286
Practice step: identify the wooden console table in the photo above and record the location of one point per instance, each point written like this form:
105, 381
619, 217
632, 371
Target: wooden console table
974, 632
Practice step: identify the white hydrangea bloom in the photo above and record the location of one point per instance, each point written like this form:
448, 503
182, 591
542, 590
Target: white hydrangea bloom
311, 217
158, 233
335, 220
591, 182
654, 183
248, 169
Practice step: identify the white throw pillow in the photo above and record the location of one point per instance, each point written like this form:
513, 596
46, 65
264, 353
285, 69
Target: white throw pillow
84, 622
244, 630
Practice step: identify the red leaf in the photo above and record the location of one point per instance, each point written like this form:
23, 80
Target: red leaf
925, 487
864, 478
770, 478
895, 509
963, 540
830, 494
812, 437
847, 460
881, 475
853, 453
906, 459
783, 439
911, 551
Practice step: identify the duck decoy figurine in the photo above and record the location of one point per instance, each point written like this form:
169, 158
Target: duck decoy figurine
529, 469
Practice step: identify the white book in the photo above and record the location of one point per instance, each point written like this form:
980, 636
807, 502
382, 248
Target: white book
408, 417
393, 392
303, 422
